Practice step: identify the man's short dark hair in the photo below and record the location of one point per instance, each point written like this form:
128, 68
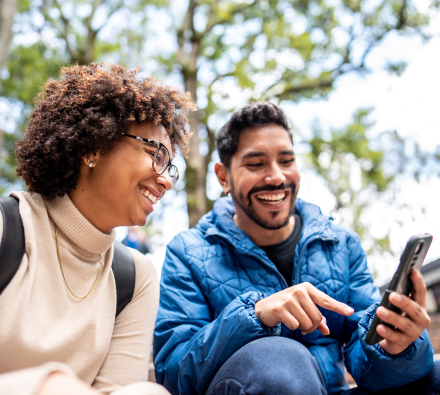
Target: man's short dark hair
256, 114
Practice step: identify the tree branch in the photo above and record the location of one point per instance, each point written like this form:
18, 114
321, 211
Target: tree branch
88, 21
213, 23
211, 145
341, 69
64, 33
110, 14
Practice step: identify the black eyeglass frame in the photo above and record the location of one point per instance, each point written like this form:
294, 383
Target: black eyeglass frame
158, 144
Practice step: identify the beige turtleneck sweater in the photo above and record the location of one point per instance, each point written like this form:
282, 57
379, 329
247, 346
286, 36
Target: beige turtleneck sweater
41, 322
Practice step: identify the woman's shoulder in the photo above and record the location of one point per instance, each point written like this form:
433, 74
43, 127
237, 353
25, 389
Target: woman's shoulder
29, 205
34, 200
32, 206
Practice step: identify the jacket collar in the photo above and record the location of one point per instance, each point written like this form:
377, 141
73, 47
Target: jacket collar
219, 223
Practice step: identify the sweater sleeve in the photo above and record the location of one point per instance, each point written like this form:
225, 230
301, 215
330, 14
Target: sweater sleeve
128, 357
190, 344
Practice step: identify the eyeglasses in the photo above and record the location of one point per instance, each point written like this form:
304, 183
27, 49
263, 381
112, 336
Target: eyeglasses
161, 157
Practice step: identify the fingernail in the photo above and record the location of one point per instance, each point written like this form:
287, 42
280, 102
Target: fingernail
397, 297
348, 310
384, 312
383, 329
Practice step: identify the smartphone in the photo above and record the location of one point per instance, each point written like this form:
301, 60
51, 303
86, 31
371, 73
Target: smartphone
412, 258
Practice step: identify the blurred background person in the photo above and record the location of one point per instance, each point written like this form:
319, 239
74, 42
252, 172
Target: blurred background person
136, 238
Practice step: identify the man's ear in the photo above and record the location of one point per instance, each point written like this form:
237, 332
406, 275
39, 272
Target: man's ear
222, 173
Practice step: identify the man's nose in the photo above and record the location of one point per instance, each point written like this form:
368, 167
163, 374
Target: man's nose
274, 175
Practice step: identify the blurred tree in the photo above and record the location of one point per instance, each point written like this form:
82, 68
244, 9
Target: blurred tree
225, 53
347, 153
49, 34
272, 50
7, 10
358, 169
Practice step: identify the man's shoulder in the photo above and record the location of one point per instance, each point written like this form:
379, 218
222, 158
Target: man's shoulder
343, 232
311, 214
193, 243
188, 237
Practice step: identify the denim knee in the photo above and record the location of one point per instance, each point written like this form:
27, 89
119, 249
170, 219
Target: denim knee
272, 365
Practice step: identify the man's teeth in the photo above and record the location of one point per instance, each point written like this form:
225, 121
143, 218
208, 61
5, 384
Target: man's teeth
149, 196
272, 199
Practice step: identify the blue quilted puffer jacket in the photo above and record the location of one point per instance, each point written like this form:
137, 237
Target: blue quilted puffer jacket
214, 274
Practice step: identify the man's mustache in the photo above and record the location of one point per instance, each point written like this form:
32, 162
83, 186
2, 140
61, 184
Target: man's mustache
271, 188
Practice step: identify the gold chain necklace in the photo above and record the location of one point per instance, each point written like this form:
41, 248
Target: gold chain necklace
62, 271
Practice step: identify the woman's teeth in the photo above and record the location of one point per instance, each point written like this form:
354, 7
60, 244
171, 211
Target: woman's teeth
272, 199
149, 195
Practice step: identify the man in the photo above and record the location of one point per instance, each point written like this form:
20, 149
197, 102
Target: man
267, 296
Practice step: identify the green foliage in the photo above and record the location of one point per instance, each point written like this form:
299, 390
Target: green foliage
347, 153
29, 67
50, 34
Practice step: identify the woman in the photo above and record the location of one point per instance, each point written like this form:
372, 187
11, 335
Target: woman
96, 154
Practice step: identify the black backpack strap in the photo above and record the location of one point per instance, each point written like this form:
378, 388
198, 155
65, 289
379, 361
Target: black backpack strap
125, 275
12, 246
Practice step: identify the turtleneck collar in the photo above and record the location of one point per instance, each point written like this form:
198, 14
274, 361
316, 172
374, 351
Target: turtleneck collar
79, 232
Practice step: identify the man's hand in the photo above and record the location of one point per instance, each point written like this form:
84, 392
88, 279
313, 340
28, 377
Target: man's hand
410, 326
295, 307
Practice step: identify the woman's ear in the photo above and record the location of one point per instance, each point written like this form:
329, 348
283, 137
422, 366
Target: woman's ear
222, 173
89, 160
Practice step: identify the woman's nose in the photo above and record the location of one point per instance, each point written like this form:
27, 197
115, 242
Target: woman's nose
165, 181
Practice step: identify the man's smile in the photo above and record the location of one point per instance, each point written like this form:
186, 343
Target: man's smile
273, 197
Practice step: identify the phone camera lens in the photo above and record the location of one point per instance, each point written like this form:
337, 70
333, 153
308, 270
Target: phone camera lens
418, 248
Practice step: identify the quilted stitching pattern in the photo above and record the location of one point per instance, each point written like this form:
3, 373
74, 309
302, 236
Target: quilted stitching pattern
214, 274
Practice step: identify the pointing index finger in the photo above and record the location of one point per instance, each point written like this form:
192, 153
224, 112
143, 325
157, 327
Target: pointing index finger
325, 301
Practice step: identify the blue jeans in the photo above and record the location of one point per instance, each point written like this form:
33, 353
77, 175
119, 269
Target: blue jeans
281, 366
272, 366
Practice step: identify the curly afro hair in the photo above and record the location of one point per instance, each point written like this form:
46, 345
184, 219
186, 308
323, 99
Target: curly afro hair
83, 112
255, 114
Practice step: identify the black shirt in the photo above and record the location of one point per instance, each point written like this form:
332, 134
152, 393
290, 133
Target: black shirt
282, 254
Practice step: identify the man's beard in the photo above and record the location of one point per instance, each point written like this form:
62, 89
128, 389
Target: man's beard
246, 204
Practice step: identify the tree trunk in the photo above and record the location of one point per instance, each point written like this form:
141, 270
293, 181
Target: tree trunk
195, 174
7, 10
